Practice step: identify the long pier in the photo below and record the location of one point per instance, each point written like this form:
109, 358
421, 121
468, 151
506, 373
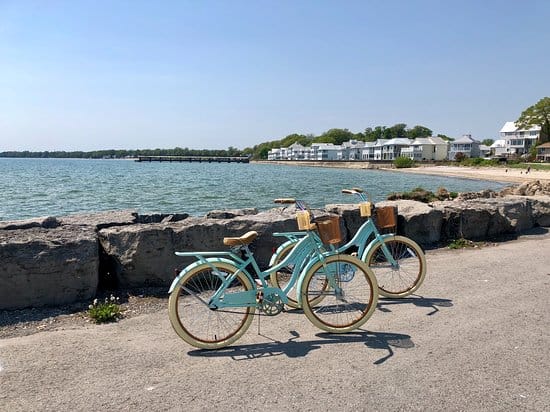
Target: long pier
199, 159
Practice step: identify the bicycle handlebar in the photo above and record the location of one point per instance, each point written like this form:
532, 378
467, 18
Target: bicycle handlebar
356, 191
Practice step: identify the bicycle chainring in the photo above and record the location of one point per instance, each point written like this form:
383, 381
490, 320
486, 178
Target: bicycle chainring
272, 304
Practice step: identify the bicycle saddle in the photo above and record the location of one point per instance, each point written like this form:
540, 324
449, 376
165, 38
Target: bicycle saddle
245, 239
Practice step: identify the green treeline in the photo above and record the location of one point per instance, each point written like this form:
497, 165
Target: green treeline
334, 136
121, 154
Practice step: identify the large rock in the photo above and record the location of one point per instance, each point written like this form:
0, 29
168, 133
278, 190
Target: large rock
418, 221
540, 206
47, 266
479, 219
45, 222
145, 254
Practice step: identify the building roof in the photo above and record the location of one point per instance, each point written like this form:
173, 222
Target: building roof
398, 141
296, 145
499, 143
353, 144
511, 127
428, 140
464, 139
544, 145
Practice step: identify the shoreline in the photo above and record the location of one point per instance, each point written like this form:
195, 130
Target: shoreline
495, 174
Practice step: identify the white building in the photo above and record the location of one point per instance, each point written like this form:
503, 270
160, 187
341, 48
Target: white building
519, 141
298, 152
373, 150
351, 150
426, 148
498, 148
466, 145
391, 149
324, 151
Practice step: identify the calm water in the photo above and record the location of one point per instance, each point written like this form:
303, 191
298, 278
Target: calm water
57, 187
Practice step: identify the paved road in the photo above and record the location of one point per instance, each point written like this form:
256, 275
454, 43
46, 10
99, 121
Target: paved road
477, 339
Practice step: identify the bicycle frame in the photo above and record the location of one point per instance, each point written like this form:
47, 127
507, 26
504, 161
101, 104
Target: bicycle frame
359, 240
306, 250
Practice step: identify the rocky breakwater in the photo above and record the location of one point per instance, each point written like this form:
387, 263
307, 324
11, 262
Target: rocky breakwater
52, 261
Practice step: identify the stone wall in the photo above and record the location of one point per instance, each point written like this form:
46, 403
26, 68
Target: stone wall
52, 261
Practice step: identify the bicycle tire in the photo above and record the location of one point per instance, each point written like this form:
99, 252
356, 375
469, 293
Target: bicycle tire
281, 277
347, 307
194, 321
407, 277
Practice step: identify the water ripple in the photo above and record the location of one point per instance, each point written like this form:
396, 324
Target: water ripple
55, 187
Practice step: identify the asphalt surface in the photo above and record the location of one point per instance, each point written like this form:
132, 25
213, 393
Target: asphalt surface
477, 337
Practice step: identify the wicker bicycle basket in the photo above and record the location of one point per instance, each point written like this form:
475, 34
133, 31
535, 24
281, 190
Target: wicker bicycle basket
386, 217
303, 218
328, 228
365, 209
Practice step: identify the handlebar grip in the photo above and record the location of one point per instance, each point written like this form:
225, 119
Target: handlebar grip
357, 189
348, 191
285, 201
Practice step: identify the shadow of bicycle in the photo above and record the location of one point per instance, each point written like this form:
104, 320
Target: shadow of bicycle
293, 348
416, 300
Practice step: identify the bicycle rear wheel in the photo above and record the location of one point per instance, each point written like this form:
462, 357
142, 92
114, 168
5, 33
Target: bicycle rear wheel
198, 324
347, 299
405, 278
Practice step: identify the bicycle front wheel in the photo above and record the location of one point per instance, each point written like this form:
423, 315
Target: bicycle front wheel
195, 321
339, 294
399, 280
283, 276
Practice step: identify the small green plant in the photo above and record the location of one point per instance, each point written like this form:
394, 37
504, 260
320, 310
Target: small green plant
462, 243
403, 162
107, 311
419, 194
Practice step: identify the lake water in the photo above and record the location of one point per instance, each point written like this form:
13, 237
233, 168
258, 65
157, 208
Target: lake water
56, 187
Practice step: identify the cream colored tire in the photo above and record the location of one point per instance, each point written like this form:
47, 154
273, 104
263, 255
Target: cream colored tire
195, 322
408, 277
349, 307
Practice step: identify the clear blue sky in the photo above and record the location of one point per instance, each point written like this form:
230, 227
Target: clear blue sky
89, 75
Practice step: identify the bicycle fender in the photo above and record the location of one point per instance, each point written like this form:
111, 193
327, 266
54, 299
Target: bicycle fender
198, 263
279, 249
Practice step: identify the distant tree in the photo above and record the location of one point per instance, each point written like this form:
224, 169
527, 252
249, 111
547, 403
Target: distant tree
335, 136
487, 142
419, 131
398, 130
449, 139
295, 138
262, 154
537, 115
233, 151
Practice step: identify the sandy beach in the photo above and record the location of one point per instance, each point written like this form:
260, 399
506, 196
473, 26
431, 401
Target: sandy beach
498, 174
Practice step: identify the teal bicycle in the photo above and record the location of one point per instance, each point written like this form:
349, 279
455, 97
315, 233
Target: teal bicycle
213, 300
398, 262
